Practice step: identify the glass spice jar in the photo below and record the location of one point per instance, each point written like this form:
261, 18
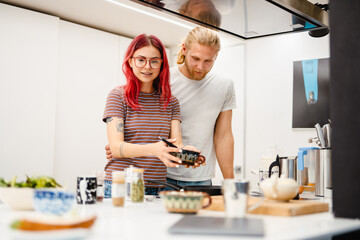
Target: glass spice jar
100, 176
118, 188
128, 181
137, 185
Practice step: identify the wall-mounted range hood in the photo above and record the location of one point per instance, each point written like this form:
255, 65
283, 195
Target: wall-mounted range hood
250, 18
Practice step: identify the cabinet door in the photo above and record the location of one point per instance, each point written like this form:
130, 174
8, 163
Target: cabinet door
89, 63
28, 68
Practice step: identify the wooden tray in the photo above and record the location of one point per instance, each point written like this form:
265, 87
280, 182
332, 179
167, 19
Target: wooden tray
291, 208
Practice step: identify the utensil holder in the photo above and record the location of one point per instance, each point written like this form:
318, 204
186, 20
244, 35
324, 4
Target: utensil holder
323, 172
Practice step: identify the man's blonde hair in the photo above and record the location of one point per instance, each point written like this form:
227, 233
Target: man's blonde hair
201, 35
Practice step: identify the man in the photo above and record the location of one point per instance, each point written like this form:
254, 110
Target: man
206, 103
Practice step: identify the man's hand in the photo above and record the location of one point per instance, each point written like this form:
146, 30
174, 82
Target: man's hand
199, 162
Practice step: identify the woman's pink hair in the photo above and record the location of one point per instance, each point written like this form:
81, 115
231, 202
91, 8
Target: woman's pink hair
161, 83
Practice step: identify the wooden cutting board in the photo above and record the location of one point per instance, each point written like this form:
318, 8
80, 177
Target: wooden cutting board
291, 208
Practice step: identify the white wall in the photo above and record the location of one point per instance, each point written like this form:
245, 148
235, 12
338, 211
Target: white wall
28, 68
230, 63
269, 82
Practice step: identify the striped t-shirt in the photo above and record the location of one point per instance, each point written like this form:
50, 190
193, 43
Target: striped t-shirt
141, 127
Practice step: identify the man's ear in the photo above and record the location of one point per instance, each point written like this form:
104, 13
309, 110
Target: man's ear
183, 49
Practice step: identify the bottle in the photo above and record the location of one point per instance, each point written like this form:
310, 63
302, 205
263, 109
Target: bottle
100, 175
128, 181
137, 185
118, 188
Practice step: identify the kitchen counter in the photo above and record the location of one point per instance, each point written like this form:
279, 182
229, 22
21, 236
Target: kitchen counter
150, 220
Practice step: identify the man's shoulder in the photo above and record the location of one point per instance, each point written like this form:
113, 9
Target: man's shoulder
219, 76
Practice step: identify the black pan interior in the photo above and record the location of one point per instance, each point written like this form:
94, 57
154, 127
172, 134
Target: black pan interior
209, 189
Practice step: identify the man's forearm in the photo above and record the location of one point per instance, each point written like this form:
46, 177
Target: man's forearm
224, 148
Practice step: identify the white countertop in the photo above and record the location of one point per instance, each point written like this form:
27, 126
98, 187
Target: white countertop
150, 220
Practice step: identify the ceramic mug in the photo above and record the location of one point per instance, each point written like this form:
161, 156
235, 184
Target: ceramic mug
189, 157
86, 190
185, 201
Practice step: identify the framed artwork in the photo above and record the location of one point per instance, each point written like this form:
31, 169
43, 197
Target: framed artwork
311, 93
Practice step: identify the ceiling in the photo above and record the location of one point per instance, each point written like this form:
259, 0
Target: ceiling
108, 15
247, 19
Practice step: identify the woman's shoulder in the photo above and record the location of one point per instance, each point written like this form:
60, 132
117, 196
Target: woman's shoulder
174, 99
117, 94
119, 90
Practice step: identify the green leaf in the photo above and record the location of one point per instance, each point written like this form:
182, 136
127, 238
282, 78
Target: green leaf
15, 224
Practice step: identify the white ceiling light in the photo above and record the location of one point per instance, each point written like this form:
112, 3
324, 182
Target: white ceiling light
151, 14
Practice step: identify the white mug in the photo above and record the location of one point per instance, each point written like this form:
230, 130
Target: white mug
86, 190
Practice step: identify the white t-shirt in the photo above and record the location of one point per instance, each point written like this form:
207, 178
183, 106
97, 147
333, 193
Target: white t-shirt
200, 105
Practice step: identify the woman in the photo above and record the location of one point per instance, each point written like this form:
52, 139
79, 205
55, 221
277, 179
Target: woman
140, 112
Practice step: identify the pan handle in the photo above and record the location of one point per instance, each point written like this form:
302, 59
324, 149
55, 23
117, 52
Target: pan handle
172, 185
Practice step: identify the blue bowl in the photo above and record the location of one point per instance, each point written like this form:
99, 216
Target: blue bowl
52, 201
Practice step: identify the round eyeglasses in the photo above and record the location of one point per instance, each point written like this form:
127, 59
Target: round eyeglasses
140, 62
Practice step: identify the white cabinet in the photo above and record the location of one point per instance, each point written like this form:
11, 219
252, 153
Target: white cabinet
89, 63
28, 72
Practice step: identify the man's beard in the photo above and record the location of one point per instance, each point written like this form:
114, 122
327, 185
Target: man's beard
193, 74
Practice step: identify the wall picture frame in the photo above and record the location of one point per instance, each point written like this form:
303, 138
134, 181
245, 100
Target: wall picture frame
311, 93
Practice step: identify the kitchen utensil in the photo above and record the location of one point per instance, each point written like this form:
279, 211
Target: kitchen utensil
185, 202
187, 157
323, 173
167, 142
263, 174
307, 156
275, 208
324, 132
235, 196
210, 189
287, 166
320, 135
17, 198
53, 201
328, 135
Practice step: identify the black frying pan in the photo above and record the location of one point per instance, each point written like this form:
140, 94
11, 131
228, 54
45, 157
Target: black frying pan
211, 190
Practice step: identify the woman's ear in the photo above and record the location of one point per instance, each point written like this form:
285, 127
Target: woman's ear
130, 62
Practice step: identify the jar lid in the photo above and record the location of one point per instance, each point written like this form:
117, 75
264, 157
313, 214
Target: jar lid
118, 176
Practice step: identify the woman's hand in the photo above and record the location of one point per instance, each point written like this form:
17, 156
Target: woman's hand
108, 152
199, 162
161, 151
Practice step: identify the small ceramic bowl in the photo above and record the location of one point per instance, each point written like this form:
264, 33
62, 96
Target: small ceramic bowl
279, 189
185, 201
188, 157
17, 198
56, 202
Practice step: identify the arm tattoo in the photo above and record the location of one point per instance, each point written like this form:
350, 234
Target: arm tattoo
109, 119
122, 149
120, 126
